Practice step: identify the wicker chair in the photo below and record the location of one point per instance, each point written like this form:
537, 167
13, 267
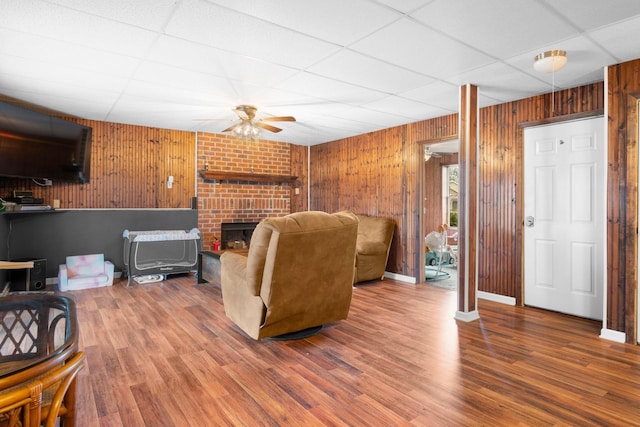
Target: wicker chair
38, 336
42, 400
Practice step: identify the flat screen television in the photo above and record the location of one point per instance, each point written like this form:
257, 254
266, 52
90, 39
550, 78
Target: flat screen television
36, 145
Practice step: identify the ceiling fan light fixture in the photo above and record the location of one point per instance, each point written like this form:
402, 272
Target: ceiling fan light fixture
247, 130
251, 128
550, 61
427, 153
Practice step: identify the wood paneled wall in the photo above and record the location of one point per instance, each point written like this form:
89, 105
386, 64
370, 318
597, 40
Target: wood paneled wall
622, 198
379, 174
299, 162
129, 169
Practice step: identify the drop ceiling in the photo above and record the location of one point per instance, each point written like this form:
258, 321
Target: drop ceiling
342, 68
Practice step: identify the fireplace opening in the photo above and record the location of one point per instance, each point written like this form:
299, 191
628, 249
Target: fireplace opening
236, 235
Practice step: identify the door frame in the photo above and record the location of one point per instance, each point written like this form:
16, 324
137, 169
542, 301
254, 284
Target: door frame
421, 214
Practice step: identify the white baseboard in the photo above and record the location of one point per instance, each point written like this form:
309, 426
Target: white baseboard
502, 299
400, 277
467, 316
611, 335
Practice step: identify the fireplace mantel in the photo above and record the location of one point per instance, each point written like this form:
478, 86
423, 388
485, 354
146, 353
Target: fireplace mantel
248, 177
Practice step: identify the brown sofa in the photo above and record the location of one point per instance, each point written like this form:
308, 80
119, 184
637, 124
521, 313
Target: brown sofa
298, 274
372, 247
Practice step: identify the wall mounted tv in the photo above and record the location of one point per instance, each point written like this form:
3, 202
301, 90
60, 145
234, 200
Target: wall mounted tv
36, 145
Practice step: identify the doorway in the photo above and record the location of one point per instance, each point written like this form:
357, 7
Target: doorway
564, 234
439, 206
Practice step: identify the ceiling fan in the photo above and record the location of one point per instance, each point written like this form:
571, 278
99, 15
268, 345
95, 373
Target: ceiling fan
429, 154
248, 125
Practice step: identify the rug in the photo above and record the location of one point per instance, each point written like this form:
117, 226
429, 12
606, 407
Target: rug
446, 278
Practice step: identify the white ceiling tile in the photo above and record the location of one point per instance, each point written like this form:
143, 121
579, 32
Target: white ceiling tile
76, 28
48, 51
161, 75
329, 89
71, 100
620, 40
495, 78
186, 54
406, 6
440, 94
219, 27
355, 68
379, 119
335, 121
497, 27
403, 107
253, 71
415, 47
349, 21
150, 14
591, 14
206, 59
181, 98
22, 69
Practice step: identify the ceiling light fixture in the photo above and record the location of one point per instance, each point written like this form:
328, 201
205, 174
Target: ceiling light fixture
550, 61
247, 130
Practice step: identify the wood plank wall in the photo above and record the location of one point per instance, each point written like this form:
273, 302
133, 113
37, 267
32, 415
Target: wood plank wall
129, 169
299, 161
622, 202
378, 174
346, 174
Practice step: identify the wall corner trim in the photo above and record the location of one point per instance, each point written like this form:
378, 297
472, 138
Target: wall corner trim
467, 316
611, 335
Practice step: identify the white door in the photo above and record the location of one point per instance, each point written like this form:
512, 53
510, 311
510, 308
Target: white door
564, 209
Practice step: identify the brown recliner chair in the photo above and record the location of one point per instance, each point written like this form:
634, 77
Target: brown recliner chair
297, 276
372, 248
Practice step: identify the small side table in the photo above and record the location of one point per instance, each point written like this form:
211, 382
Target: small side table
16, 265
209, 266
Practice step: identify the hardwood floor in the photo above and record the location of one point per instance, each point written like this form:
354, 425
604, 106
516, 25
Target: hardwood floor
164, 354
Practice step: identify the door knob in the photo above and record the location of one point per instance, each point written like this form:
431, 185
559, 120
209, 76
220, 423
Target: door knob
529, 221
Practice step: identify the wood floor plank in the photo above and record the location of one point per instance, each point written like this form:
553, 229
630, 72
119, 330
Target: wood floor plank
165, 354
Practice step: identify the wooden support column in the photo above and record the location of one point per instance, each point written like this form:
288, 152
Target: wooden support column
468, 200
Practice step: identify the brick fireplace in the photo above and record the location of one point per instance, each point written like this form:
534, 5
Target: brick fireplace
236, 235
232, 201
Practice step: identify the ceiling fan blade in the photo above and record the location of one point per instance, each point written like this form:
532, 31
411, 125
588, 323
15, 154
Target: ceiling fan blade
232, 127
268, 127
278, 119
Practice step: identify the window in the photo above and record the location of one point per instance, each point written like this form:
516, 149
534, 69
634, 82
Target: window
450, 195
